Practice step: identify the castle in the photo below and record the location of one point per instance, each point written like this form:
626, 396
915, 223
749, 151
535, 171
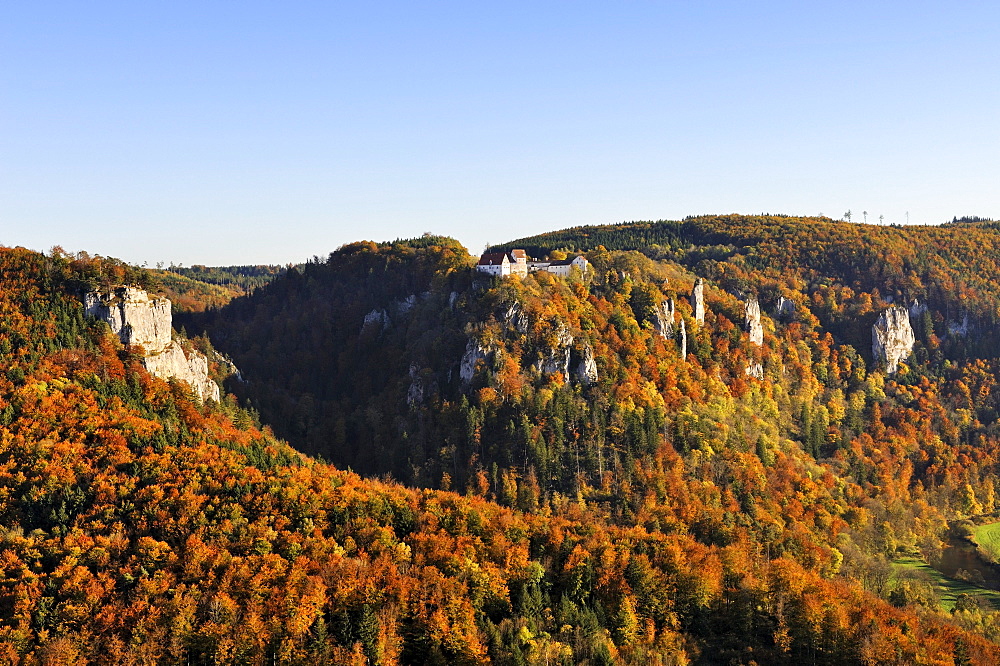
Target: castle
517, 262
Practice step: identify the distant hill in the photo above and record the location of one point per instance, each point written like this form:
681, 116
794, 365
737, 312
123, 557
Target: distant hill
198, 288
246, 278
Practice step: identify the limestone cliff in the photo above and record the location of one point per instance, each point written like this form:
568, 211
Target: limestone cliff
133, 316
474, 353
139, 319
376, 320
549, 348
191, 367
515, 316
586, 370
751, 321
665, 316
892, 338
785, 309
684, 341
422, 386
698, 300
555, 358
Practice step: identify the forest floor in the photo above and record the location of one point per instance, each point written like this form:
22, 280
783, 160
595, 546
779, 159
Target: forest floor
948, 589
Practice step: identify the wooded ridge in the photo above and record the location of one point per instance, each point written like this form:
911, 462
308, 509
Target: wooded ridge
542, 469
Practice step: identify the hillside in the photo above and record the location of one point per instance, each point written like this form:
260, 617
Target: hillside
619, 501
394, 358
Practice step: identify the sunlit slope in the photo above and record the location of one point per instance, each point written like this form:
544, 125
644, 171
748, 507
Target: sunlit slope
142, 526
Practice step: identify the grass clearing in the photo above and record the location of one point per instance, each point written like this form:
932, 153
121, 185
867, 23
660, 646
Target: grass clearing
948, 589
987, 537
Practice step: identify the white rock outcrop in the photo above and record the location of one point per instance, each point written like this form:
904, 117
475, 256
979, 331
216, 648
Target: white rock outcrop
586, 369
751, 321
404, 305
422, 386
140, 319
515, 316
133, 316
892, 338
684, 340
556, 357
665, 316
474, 352
192, 368
785, 309
698, 300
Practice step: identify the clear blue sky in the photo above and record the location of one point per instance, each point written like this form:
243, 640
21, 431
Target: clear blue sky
253, 132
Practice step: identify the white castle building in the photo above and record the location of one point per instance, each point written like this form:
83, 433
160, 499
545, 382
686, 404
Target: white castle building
517, 262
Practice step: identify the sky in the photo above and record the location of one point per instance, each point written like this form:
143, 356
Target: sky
250, 132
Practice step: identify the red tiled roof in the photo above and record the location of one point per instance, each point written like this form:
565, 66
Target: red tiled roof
492, 258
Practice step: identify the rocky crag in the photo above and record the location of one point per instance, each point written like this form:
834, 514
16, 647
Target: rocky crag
586, 369
474, 353
698, 300
784, 309
141, 320
556, 351
665, 316
892, 338
684, 340
555, 356
751, 321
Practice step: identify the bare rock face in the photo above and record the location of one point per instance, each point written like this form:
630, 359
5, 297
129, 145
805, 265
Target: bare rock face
515, 316
586, 369
415, 394
192, 368
698, 300
684, 340
474, 352
755, 370
959, 329
140, 319
892, 338
751, 321
376, 319
917, 308
785, 309
665, 316
556, 357
133, 316
422, 386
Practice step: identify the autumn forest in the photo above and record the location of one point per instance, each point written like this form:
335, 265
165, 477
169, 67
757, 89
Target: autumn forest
412, 462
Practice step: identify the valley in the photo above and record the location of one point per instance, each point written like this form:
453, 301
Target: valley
725, 439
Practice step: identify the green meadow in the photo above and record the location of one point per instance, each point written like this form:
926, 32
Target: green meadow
948, 589
987, 537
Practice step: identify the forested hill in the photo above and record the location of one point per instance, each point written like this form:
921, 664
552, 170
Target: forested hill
600, 468
952, 261
605, 392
